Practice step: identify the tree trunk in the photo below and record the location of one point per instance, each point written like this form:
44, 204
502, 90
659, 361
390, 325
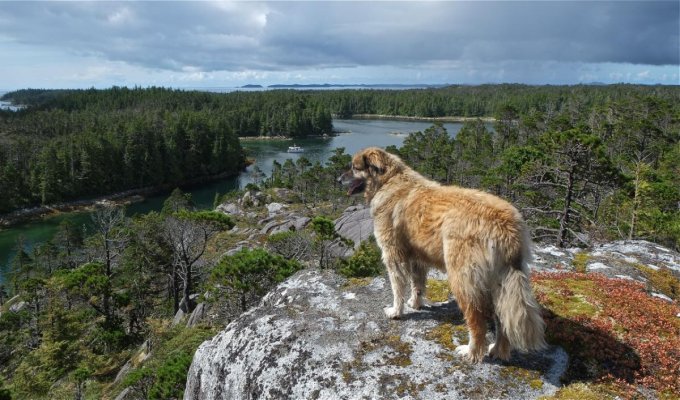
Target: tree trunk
636, 203
175, 289
564, 220
107, 291
187, 291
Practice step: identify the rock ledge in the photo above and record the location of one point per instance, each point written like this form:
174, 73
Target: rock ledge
319, 336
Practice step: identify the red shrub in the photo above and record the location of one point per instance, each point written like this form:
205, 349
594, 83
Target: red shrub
633, 338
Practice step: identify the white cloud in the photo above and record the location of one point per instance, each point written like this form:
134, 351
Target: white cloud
120, 17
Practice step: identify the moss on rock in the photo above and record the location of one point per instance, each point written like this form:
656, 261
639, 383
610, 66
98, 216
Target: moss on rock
437, 290
580, 261
583, 391
662, 280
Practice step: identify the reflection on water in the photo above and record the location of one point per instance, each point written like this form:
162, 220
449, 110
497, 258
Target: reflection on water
357, 135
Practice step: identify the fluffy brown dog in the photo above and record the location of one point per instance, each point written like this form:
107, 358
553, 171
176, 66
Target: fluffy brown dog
478, 239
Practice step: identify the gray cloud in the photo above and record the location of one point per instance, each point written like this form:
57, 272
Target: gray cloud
228, 36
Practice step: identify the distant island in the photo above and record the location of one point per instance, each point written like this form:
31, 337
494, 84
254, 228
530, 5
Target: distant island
334, 85
251, 86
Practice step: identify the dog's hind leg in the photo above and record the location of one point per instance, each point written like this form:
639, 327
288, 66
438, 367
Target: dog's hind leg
418, 279
475, 319
466, 270
501, 348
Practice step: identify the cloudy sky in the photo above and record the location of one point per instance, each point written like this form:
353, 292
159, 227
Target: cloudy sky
226, 43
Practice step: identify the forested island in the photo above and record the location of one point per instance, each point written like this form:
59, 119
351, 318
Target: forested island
94, 314
68, 144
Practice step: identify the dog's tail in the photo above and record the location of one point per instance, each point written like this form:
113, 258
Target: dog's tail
516, 307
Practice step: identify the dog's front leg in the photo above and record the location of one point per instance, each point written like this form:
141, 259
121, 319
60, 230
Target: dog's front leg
398, 283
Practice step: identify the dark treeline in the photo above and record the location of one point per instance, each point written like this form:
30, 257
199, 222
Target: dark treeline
485, 100
69, 144
272, 113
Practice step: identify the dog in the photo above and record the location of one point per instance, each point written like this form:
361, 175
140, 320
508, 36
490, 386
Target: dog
478, 239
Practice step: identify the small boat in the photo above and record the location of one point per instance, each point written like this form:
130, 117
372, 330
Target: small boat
295, 149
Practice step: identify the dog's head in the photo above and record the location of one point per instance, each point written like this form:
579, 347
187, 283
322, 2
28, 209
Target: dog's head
369, 171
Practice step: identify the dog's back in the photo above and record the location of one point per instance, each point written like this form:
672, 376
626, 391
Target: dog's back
426, 215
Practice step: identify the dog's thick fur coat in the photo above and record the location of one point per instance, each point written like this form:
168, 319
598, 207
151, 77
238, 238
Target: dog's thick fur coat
478, 239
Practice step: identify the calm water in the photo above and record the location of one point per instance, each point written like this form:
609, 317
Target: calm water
358, 134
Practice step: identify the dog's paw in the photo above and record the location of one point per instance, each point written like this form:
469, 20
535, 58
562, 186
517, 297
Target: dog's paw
463, 350
392, 312
466, 354
496, 352
415, 303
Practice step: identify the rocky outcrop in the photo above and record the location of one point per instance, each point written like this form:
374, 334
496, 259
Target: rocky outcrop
355, 224
317, 336
229, 209
18, 307
253, 198
275, 208
623, 259
125, 394
197, 315
276, 223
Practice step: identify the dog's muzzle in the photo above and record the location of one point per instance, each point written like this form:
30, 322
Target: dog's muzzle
354, 185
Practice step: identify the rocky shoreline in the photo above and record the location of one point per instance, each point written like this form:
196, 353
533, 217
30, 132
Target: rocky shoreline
420, 119
120, 198
25, 214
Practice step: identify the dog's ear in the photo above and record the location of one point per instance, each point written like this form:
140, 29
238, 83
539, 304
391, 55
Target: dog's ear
375, 161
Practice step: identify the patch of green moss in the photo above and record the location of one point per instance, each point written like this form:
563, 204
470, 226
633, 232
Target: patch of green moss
403, 350
401, 356
667, 395
580, 261
583, 391
357, 282
522, 375
536, 384
444, 333
662, 280
568, 298
437, 290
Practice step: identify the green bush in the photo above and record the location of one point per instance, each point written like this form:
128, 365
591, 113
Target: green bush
5, 394
365, 262
171, 377
250, 274
164, 375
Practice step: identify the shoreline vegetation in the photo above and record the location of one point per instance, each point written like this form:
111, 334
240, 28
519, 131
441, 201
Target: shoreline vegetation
120, 198
383, 117
285, 138
420, 119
